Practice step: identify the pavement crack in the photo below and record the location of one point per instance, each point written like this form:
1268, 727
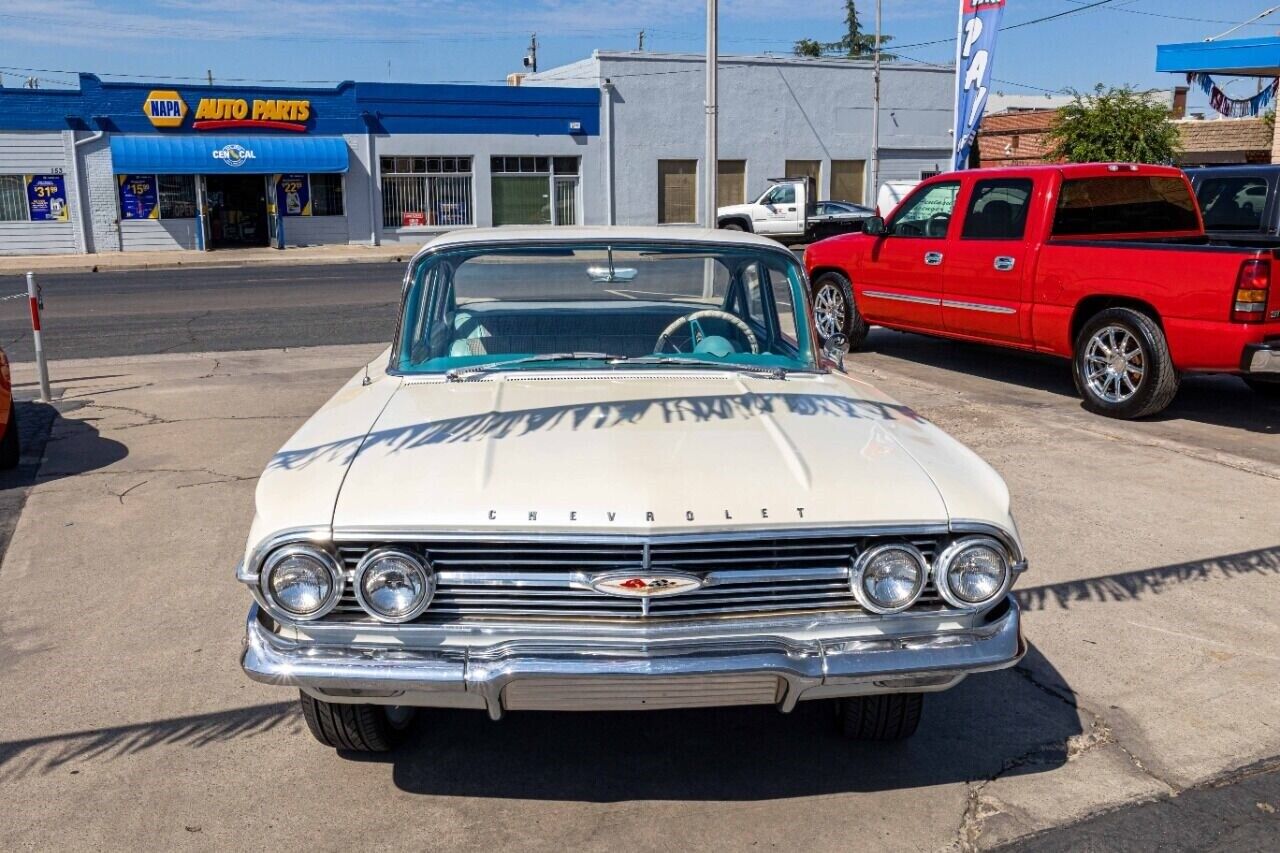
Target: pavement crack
121, 495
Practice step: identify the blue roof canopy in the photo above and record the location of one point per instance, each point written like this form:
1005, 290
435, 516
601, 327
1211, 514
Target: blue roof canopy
229, 155
1251, 57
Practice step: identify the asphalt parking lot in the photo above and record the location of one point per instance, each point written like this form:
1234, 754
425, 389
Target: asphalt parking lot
1152, 609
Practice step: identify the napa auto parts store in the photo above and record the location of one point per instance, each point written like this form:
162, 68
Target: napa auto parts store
136, 166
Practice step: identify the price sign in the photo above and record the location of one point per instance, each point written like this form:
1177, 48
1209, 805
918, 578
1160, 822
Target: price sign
138, 197
47, 198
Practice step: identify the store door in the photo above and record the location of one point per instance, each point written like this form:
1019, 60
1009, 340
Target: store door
237, 210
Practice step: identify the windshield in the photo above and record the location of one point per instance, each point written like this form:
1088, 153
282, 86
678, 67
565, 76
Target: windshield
596, 305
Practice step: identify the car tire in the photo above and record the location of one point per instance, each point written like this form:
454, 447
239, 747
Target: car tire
10, 447
835, 310
1121, 365
1265, 387
887, 717
732, 226
355, 728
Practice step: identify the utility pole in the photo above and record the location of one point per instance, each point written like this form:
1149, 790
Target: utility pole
531, 58
641, 46
209, 75
712, 155
875, 116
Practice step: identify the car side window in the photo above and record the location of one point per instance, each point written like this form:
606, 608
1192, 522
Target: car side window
927, 213
998, 210
1232, 204
784, 194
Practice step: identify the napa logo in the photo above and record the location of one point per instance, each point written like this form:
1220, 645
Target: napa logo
234, 155
164, 108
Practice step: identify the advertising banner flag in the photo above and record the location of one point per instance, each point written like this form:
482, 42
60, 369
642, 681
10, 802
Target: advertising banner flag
979, 23
138, 197
47, 198
293, 195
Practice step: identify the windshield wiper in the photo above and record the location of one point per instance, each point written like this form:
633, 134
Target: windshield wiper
458, 372
771, 372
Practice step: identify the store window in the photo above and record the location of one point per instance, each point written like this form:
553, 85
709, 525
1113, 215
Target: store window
326, 195
33, 198
677, 192
431, 191
13, 199
177, 197
535, 190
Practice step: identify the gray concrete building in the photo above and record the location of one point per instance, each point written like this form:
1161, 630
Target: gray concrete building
778, 116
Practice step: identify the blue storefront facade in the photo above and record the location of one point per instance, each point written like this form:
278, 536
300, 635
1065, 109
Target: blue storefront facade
140, 166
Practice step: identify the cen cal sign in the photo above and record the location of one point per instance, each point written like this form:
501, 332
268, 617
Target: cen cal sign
165, 108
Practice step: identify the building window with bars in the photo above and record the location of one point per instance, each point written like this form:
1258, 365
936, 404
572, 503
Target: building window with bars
535, 190
426, 191
326, 195
177, 196
13, 198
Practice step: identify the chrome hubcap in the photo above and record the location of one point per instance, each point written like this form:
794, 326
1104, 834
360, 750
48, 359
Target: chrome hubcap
1113, 364
829, 310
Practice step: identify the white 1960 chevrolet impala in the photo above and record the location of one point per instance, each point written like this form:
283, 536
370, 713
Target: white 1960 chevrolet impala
606, 469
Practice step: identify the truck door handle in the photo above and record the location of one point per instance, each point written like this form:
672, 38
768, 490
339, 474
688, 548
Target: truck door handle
933, 259
1004, 263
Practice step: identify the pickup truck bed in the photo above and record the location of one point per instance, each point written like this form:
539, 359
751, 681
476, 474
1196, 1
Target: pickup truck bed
1107, 265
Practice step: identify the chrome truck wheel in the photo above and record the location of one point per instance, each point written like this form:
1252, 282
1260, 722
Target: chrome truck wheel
1122, 365
835, 312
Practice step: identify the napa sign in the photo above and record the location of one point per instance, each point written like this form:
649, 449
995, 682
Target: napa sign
166, 109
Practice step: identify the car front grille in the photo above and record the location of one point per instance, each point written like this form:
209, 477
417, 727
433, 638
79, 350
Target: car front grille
542, 580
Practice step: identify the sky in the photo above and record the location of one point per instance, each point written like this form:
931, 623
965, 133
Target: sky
483, 40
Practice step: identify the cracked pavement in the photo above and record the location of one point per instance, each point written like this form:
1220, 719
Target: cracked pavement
1152, 608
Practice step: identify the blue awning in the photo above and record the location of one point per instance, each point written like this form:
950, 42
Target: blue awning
1251, 57
229, 155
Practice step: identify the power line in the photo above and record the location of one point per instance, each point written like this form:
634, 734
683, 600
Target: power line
1167, 16
951, 39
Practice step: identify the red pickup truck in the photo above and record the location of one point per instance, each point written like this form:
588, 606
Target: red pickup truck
1105, 264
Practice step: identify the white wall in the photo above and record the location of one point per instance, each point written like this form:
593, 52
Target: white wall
25, 153
772, 109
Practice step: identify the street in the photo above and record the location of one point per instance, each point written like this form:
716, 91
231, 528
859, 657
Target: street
125, 721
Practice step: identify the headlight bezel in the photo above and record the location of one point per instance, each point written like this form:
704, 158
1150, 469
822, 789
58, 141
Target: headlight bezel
322, 556
942, 571
864, 561
422, 564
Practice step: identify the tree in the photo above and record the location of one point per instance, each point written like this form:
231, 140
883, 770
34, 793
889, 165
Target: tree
856, 44
1114, 125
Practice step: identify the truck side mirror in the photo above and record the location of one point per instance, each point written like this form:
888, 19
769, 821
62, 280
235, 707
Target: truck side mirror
874, 225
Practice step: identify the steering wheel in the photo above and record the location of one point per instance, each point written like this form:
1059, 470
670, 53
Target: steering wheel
937, 225
696, 329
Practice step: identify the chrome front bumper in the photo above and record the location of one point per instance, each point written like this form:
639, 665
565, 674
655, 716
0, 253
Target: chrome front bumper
616, 675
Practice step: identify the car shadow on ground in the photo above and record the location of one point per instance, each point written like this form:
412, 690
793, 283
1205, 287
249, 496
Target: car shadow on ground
988, 726
1214, 400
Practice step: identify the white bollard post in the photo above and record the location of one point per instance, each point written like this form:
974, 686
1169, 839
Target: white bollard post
33, 296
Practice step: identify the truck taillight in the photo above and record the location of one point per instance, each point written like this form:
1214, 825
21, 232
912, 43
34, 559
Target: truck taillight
1252, 286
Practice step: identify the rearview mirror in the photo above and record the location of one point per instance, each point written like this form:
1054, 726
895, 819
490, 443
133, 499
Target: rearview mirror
612, 275
836, 348
874, 225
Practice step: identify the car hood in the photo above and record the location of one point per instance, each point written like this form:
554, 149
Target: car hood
541, 452
734, 208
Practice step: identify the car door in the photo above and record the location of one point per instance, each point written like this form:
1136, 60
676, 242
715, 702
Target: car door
900, 281
986, 267
777, 212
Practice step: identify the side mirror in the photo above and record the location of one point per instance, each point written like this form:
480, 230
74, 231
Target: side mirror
874, 225
836, 348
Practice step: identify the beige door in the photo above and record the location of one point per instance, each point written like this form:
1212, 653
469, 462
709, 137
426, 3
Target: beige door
731, 183
678, 191
807, 168
848, 180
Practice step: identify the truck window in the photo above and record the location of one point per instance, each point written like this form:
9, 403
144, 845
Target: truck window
1124, 205
781, 194
927, 213
1233, 204
998, 210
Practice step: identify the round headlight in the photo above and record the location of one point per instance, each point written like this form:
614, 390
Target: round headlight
394, 585
973, 572
889, 578
301, 581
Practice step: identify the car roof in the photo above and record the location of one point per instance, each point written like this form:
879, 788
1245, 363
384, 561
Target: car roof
570, 234
1071, 170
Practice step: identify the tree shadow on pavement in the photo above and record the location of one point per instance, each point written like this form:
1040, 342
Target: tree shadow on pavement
990, 725
1216, 400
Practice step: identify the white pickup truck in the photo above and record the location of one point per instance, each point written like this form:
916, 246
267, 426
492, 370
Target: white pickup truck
788, 213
